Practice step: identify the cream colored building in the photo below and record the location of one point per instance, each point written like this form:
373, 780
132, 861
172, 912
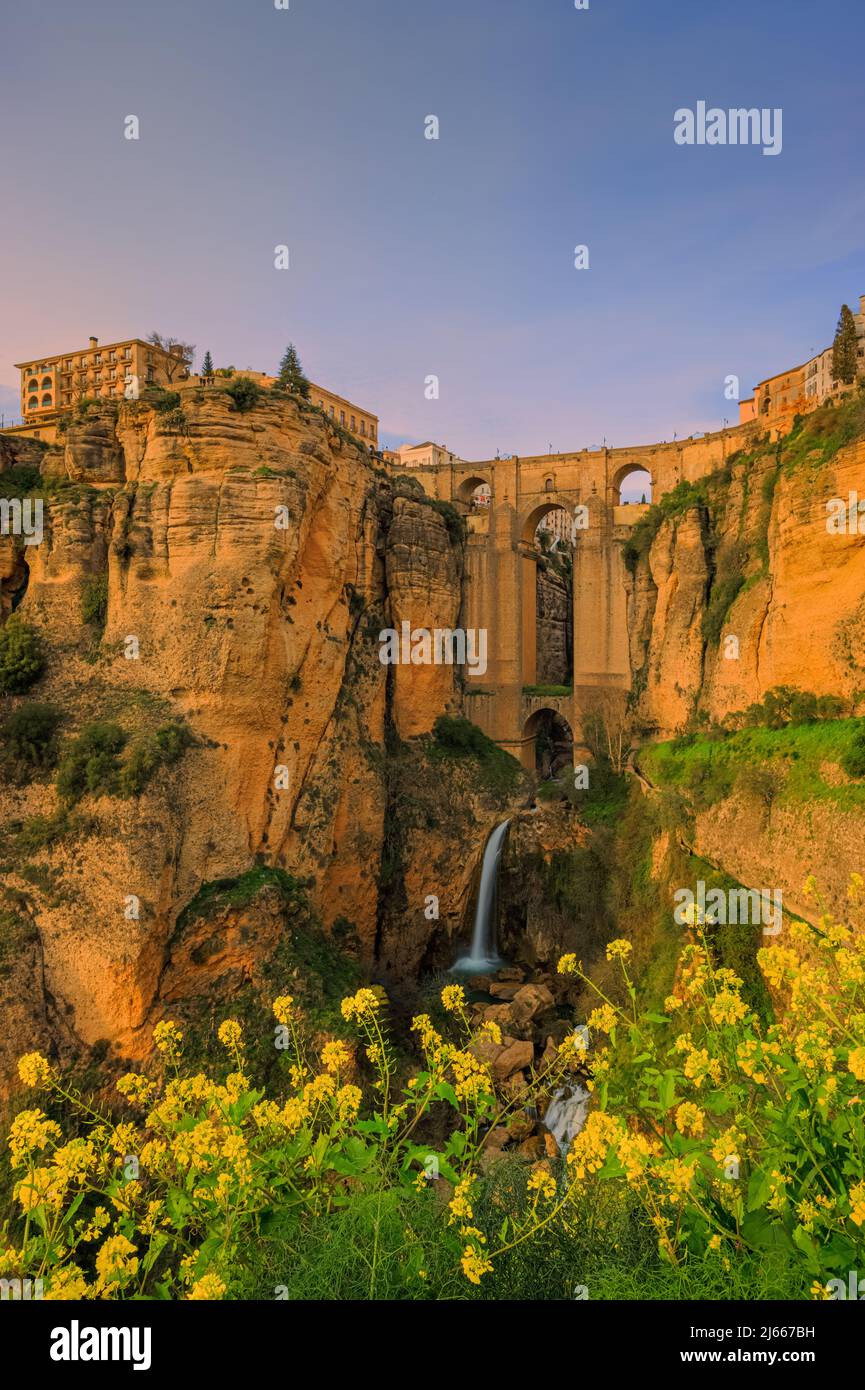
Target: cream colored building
354, 418
428, 455
58, 381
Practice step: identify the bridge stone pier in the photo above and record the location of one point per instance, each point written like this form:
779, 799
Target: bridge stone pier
501, 577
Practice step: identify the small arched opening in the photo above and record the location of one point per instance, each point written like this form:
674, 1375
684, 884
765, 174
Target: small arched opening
475, 492
632, 485
549, 742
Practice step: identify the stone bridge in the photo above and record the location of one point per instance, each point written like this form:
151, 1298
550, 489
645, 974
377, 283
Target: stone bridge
502, 564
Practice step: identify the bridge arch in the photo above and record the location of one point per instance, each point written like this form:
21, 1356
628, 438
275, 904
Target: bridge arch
551, 503
547, 741
469, 486
635, 470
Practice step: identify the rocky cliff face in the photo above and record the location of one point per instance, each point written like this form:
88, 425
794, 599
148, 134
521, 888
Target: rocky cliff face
555, 627
744, 588
250, 561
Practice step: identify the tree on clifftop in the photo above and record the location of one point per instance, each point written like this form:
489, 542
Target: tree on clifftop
178, 354
844, 347
207, 365
290, 376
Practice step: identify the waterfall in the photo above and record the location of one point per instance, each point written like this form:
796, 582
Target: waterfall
483, 956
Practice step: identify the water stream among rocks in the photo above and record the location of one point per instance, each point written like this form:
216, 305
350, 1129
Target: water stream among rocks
566, 1113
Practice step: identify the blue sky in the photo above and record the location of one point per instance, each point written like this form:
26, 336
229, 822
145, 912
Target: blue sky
452, 257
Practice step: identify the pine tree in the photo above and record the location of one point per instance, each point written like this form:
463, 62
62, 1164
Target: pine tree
290, 376
207, 365
844, 347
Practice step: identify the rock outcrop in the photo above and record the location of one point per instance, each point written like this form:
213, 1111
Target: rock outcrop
249, 561
747, 589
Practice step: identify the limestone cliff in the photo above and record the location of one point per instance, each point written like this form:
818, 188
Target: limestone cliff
249, 560
746, 555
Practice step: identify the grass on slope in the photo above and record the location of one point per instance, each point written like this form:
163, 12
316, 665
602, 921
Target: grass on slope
805, 758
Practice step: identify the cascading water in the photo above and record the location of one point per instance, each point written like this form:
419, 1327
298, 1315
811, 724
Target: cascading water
483, 957
566, 1114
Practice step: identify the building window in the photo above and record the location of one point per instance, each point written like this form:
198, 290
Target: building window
112, 357
352, 422
331, 412
33, 385
33, 403
342, 417
149, 373
67, 364
363, 426
46, 400
127, 354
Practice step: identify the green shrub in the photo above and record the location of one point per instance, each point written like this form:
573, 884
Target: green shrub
853, 761
721, 600
94, 602
161, 400
786, 704
244, 392
22, 656
762, 784
455, 737
176, 420
151, 751
29, 734
91, 762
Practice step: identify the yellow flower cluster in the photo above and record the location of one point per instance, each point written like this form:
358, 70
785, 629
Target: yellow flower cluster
34, 1070
620, 949
30, 1131
167, 1037
453, 998
230, 1034
364, 1004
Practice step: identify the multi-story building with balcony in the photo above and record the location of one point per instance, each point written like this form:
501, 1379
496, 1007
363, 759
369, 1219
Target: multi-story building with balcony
58, 381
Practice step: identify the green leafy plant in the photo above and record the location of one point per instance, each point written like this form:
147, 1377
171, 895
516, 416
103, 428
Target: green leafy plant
22, 656
91, 763
244, 392
30, 734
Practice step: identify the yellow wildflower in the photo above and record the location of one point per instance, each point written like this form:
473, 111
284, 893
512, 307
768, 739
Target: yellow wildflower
856, 1063
620, 949
117, 1258
335, 1056
34, 1069
365, 1002
283, 1010
230, 1033
209, 1286
453, 998
690, 1119
167, 1036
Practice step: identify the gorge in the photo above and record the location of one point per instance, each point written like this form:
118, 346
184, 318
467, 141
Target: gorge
319, 787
